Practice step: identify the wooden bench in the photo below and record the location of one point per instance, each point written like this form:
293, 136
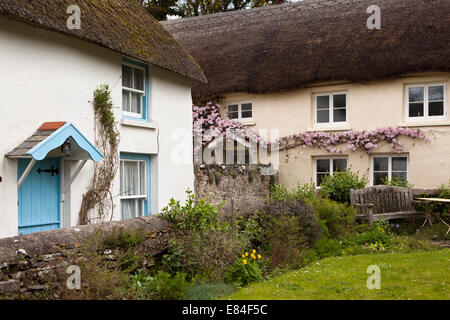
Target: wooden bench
384, 202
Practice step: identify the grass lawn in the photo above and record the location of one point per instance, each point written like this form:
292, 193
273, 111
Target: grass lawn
417, 275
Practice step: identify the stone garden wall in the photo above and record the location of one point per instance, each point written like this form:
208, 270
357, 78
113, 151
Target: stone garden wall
34, 266
242, 187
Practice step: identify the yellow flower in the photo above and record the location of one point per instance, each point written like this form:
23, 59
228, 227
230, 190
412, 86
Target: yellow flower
259, 256
246, 254
243, 256
254, 251
253, 256
244, 261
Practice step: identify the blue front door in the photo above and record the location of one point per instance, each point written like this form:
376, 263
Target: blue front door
39, 196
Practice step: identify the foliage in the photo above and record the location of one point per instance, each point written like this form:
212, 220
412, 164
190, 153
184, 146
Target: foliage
193, 216
337, 186
206, 256
278, 192
328, 248
161, 9
208, 290
298, 208
123, 238
336, 219
99, 196
405, 276
207, 245
210, 125
245, 270
162, 286
397, 182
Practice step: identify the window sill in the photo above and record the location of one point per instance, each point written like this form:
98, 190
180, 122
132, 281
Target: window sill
139, 123
435, 123
331, 128
246, 122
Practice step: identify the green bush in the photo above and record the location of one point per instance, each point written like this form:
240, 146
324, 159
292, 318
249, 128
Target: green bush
336, 218
337, 186
328, 248
397, 182
245, 270
279, 192
194, 216
162, 286
288, 227
123, 238
298, 209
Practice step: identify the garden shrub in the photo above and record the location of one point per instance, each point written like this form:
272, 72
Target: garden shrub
338, 219
279, 192
397, 182
194, 216
288, 227
298, 208
328, 248
162, 286
337, 186
207, 246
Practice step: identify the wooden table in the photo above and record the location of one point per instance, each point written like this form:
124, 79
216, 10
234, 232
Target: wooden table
429, 211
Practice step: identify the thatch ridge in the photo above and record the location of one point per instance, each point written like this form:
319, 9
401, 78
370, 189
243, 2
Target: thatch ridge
119, 25
294, 45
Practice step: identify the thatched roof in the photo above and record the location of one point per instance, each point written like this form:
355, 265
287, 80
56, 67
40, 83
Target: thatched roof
119, 25
288, 46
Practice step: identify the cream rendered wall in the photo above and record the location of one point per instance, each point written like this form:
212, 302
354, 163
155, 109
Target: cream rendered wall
369, 106
45, 76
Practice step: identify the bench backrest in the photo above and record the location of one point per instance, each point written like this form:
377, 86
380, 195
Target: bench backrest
385, 198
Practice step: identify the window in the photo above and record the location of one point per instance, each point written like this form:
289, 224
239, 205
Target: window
240, 111
328, 166
426, 102
134, 180
387, 167
134, 83
330, 109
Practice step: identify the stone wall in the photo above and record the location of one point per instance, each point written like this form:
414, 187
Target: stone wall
242, 187
35, 265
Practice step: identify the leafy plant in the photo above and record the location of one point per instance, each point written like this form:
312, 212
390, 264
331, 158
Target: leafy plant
162, 286
245, 270
337, 186
194, 216
397, 182
337, 219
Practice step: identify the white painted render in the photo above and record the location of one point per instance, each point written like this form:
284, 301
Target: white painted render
45, 76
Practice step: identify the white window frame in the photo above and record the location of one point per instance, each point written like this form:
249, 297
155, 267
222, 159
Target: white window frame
239, 104
331, 123
425, 117
132, 90
330, 159
389, 156
136, 197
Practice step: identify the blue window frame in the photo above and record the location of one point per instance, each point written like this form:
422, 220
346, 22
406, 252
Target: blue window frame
135, 90
134, 185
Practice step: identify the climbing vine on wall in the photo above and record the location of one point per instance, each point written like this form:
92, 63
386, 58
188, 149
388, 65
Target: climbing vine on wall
99, 197
365, 140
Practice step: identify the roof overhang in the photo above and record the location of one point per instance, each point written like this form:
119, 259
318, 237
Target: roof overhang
49, 137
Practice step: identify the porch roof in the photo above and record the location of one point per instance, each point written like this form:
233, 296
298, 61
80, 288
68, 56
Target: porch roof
51, 135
